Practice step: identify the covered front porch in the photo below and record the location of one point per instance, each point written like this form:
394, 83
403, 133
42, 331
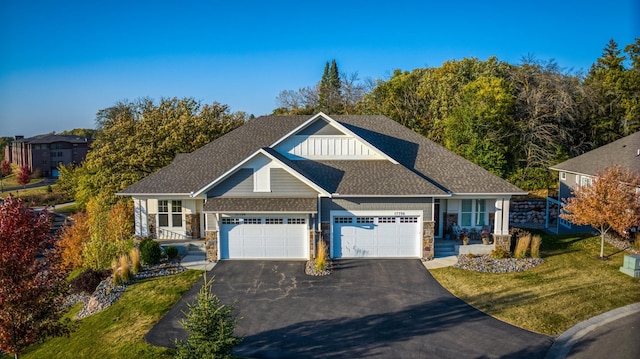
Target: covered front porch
472, 226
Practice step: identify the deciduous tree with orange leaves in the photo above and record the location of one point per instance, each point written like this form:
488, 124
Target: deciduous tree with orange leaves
612, 201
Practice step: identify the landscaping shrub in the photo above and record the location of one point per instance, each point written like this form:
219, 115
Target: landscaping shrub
171, 252
535, 246
522, 246
210, 325
136, 265
150, 251
500, 253
321, 259
88, 280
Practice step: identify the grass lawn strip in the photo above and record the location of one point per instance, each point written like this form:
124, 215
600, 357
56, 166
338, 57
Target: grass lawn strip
117, 332
572, 285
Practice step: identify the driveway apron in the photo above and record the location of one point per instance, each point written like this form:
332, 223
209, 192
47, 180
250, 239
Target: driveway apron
365, 308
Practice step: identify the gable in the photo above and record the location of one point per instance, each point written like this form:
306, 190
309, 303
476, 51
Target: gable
261, 177
323, 140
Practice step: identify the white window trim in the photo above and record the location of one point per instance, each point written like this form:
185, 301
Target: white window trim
170, 214
474, 213
563, 176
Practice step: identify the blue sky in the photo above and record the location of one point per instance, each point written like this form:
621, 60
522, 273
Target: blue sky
62, 61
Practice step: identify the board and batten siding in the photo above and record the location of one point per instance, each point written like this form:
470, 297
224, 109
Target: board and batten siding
241, 184
376, 204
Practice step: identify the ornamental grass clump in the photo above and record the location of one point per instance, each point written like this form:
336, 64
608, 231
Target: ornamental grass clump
522, 246
321, 259
535, 246
136, 264
121, 270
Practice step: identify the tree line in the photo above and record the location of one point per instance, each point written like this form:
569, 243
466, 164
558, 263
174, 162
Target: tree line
514, 120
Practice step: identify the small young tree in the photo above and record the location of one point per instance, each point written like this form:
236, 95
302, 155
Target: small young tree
210, 325
612, 201
32, 279
73, 239
24, 176
5, 168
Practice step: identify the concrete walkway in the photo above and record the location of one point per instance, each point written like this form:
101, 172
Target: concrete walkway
193, 252
440, 262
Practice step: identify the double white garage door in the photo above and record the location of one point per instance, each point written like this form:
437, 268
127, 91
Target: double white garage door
353, 236
264, 238
376, 236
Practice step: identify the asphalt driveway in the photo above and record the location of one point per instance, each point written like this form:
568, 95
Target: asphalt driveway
366, 308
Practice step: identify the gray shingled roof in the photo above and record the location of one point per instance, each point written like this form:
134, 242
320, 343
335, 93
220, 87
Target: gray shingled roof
425, 167
226, 204
51, 138
624, 152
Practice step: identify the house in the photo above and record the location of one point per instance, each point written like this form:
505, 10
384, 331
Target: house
581, 170
367, 185
47, 152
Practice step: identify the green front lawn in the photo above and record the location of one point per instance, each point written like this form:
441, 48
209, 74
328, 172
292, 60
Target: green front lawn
571, 286
117, 332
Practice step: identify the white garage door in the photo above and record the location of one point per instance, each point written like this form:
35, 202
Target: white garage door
376, 236
263, 238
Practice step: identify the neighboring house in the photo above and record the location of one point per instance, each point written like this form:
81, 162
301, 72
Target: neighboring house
47, 152
367, 185
581, 170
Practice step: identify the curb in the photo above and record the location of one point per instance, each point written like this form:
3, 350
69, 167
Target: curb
565, 342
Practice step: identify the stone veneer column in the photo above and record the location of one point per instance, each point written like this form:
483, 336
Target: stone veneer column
502, 241
212, 245
427, 240
151, 225
192, 225
312, 247
325, 235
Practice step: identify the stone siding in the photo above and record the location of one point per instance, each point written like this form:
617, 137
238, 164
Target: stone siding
502, 241
193, 225
428, 240
212, 245
151, 225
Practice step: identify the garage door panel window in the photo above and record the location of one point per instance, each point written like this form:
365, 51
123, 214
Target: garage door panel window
227, 220
252, 221
387, 220
274, 221
165, 213
342, 220
408, 219
364, 219
297, 221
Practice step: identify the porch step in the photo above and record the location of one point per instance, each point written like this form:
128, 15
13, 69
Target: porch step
444, 249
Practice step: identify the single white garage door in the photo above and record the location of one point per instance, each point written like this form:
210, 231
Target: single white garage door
376, 236
263, 238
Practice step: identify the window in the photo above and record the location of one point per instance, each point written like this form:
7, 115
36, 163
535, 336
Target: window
408, 219
253, 221
386, 219
467, 208
176, 213
342, 220
274, 221
227, 220
364, 219
563, 176
296, 221
481, 210
164, 214
56, 146
585, 181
